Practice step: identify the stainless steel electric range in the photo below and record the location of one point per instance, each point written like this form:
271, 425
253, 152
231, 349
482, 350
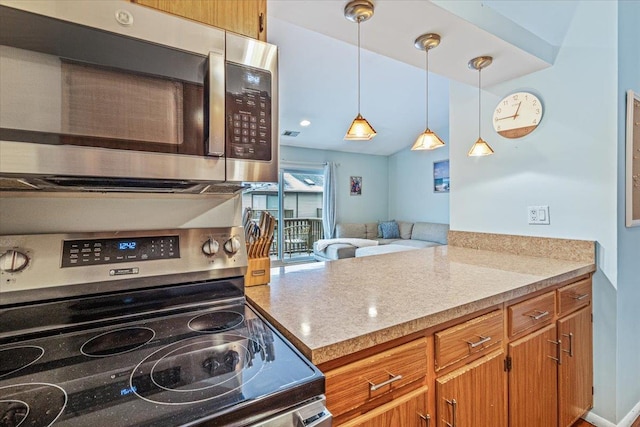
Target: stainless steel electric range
143, 328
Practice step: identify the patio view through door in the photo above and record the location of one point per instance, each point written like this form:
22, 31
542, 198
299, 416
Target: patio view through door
296, 202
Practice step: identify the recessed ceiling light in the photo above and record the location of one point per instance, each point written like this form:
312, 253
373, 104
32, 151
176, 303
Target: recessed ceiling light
305, 123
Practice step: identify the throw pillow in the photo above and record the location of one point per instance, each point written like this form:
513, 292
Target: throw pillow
380, 226
390, 230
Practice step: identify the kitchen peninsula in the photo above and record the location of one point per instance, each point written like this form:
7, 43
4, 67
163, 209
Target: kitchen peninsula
451, 332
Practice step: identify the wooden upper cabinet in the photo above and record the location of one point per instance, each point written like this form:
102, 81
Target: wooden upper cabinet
246, 17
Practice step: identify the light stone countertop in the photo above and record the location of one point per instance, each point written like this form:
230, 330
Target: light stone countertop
331, 309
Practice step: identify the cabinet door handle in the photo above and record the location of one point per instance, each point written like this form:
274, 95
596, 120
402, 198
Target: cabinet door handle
537, 314
579, 297
261, 22
477, 343
392, 378
558, 351
426, 419
454, 405
570, 336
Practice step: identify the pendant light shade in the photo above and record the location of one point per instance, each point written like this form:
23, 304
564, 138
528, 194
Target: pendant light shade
359, 11
480, 147
427, 140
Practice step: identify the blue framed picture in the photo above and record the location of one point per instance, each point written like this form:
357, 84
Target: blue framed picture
441, 176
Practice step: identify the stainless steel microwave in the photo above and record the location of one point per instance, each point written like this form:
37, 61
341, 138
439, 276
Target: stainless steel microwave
106, 95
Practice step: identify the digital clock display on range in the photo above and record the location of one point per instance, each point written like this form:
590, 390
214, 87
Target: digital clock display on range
127, 245
78, 253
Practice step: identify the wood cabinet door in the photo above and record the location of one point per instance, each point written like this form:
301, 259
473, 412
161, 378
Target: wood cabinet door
246, 17
479, 392
533, 380
575, 374
409, 410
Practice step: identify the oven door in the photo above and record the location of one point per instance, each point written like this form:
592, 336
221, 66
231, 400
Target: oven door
107, 88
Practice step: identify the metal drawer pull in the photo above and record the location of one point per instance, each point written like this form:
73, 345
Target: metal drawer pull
453, 404
393, 378
579, 297
558, 351
482, 341
426, 419
570, 336
538, 316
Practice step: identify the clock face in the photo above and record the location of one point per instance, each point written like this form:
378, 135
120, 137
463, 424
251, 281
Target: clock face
517, 115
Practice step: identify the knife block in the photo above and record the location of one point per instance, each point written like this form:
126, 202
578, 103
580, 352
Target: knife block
258, 272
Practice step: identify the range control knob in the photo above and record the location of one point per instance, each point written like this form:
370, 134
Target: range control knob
210, 247
13, 261
232, 245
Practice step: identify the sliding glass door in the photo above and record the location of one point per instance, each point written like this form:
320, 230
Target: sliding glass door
296, 202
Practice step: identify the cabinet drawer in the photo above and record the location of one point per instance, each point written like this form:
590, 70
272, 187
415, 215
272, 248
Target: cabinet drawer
469, 340
574, 296
531, 314
357, 383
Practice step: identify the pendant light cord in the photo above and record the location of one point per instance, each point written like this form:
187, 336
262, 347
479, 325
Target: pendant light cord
359, 19
479, 102
427, 87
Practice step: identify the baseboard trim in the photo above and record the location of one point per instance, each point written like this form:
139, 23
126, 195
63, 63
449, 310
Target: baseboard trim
627, 421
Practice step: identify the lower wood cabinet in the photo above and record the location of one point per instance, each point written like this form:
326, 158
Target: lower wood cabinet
575, 373
407, 411
522, 364
474, 395
533, 379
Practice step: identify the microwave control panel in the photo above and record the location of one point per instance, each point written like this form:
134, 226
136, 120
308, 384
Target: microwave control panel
248, 112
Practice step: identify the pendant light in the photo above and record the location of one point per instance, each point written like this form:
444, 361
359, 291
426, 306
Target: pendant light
480, 147
359, 11
427, 140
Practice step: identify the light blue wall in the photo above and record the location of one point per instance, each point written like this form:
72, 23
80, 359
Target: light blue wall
568, 163
411, 196
373, 204
628, 377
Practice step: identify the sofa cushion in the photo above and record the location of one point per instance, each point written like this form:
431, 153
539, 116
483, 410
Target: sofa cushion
354, 230
335, 251
415, 243
371, 229
390, 230
430, 231
405, 229
378, 250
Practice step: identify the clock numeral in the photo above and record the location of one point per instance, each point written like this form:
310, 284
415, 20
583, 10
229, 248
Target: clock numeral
535, 102
505, 102
499, 128
515, 97
499, 110
537, 111
535, 121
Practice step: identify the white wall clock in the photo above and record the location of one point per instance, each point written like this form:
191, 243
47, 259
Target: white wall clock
517, 115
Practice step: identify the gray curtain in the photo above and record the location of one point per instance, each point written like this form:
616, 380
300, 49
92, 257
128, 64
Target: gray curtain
329, 200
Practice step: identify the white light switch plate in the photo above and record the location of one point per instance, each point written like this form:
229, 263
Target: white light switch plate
538, 215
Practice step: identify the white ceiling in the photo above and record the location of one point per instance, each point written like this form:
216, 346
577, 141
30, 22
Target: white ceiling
318, 64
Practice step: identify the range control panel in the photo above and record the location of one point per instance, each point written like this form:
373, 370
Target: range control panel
108, 251
91, 261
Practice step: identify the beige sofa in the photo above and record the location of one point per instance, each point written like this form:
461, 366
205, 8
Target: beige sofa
411, 236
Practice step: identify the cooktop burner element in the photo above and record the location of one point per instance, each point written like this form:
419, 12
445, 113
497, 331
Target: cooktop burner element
117, 342
33, 404
218, 321
15, 358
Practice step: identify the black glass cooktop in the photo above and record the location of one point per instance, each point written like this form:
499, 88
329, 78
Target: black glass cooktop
220, 363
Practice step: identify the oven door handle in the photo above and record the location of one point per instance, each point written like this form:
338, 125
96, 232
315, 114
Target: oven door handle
324, 420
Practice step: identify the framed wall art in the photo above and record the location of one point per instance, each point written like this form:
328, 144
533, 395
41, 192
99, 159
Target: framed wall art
633, 160
441, 176
356, 185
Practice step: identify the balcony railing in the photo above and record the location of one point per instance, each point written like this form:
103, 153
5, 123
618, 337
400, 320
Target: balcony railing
299, 236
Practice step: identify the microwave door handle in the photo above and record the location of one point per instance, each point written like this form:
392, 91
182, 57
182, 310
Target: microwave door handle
216, 77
